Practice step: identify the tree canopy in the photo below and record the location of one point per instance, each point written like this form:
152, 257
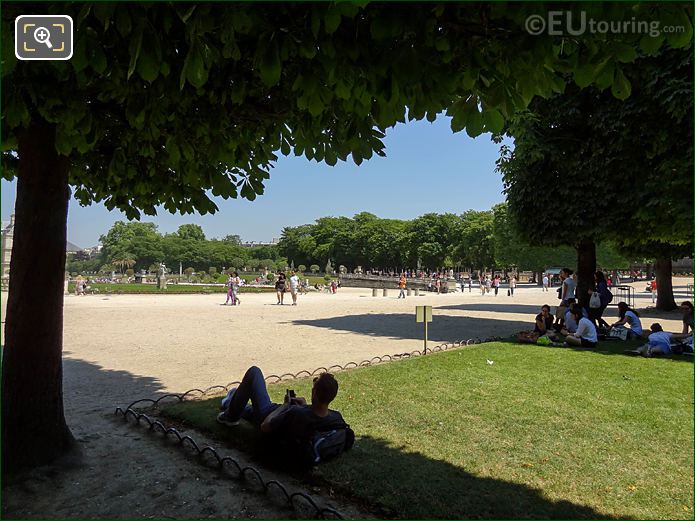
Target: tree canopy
171, 103
586, 167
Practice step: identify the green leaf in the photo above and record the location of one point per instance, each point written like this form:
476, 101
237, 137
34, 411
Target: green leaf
173, 151
625, 53
134, 49
680, 31
331, 157
494, 122
584, 75
104, 12
17, 112
621, 85
470, 76
474, 122
123, 23
315, 21
270, 66
605, 74
98, 57
196, 73
79, 59
185, 15
315, 105
332, 20
651, 44
149, 63
63, 143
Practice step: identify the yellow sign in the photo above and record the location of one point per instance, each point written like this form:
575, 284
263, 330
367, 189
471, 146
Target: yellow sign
423, 313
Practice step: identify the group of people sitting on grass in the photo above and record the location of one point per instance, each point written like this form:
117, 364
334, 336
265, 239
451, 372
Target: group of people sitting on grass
579, 328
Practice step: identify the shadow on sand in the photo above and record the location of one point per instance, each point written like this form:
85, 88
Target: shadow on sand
443, 328
504, 306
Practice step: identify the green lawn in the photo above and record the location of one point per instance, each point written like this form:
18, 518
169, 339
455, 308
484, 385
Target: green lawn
541, 433
172, 289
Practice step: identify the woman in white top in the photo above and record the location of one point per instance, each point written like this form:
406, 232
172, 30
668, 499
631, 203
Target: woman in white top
631, 318
568, 286
586, 335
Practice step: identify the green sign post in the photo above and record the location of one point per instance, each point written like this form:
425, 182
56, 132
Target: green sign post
423, 314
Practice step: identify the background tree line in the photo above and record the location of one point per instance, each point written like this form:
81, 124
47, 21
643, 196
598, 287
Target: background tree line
138, 245
473, 239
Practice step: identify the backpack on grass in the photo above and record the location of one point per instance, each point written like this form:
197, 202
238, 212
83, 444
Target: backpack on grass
304, 453
326, 445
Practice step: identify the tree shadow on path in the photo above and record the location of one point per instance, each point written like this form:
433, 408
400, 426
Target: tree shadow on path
443, 328
502, 307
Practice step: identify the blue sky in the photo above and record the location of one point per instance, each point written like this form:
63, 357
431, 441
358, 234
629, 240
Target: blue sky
427, 169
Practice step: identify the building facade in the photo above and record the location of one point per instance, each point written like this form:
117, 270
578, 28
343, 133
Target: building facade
6, 250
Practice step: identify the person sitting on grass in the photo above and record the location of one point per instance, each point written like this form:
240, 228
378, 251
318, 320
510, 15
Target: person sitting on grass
659, 343
586, 335
571, 325
544, 321
631, 318
294, 433
688, 319
293, 416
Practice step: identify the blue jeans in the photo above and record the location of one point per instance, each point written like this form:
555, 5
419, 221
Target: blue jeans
252, 387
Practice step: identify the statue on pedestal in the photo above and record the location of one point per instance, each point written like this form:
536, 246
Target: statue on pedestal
162, 276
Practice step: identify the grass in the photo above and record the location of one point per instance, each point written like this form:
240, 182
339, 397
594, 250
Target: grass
172, 289
541, 433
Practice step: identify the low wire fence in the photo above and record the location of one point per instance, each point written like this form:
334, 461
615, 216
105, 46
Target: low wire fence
230, 467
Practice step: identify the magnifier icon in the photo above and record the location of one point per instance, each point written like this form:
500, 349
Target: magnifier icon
42, 35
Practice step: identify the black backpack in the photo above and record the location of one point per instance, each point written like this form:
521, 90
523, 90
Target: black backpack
304, 453
326, 445
609, 295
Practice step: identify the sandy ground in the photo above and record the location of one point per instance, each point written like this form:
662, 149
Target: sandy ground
123, 347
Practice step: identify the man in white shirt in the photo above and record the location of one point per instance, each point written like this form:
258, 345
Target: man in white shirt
546, 282
294, 287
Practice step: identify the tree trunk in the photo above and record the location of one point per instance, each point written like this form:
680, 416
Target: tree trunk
664, 286
34, 431
586, 267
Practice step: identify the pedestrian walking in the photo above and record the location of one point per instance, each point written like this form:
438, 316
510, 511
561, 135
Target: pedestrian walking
402, 283
653, 288
294, 287
512, 285
280, 288
546, 282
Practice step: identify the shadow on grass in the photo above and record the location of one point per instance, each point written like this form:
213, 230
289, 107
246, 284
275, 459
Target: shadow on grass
618, 347
409, 485
443, 328
393, 483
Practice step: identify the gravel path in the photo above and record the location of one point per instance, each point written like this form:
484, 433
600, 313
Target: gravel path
123, 347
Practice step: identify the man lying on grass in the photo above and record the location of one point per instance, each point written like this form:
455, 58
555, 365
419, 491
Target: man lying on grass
313, 432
